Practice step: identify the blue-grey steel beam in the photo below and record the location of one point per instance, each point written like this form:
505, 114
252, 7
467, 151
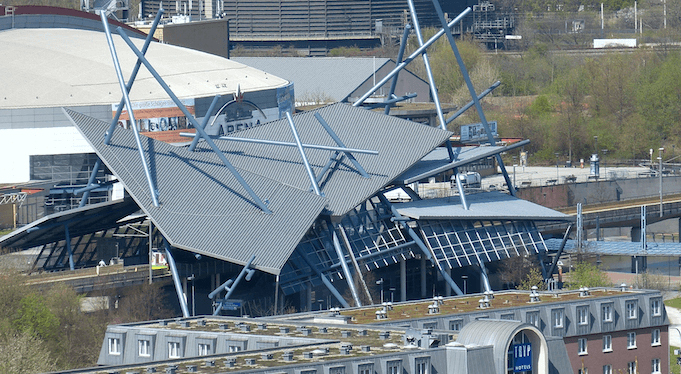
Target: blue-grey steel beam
354, 262
335, 157
344, 266
462, 194
310, 173
471, 89
124, 90
90, 182
196, 139
426, 62
409, 59
394, 99
560, 252
176, 279
196, 125
471, 103
131, 81
419, 243
67, 239
339, 142
285, 144
326, 282
245, 272
400, 56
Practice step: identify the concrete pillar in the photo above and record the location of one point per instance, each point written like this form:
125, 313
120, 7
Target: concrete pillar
308, 298
184, 288
403, 280
635, 234
424, 291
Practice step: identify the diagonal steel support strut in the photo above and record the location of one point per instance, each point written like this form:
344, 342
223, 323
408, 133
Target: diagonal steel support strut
152, 189
196, 125
338, 141
310, 173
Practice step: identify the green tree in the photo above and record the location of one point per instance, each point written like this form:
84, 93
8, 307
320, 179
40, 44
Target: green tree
24, 353
585, 274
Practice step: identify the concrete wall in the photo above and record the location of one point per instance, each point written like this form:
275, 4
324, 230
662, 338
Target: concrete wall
568, 195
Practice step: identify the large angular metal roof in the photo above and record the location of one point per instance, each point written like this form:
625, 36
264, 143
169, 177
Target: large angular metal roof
81, 221
203, 209
400, 144
484, 205
438, 162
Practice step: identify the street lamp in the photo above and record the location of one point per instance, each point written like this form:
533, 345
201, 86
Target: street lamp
661, 149
465, 280
380, 282
605, 152
556, 166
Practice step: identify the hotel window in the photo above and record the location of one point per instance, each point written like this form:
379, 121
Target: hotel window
631, 367
308, 372
337, 370
558, 317
114, 346
456, 325
422, 364
632, 309
607, 369
583, 314
394, 367
234, 348
204, 349
655, 337
582, 346
173, 349
606, 312
631, 340
143, 348
607, 343
656, 365
533, 318
655, 306
365, 369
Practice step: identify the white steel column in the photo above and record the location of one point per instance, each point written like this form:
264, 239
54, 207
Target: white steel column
423, 277
403, 280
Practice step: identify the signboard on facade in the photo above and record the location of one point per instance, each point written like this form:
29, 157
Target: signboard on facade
231, 304
522, 357
475, 132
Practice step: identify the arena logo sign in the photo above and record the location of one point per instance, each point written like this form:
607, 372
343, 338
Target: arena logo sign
237, 115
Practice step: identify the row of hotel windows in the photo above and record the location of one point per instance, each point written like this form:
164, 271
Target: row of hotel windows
631, 368
558, 315
393, 367
607, 342
422, 364
144, 348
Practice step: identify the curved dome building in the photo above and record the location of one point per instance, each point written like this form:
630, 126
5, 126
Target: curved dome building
46, 69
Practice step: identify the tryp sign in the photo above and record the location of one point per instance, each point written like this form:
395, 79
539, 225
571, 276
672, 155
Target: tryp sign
522, 357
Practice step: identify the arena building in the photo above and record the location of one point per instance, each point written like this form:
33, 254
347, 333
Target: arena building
58, 58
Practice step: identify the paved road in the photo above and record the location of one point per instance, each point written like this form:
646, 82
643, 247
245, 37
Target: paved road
675, 326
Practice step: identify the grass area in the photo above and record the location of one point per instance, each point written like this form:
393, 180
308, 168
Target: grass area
5, 232
674, 303
673, 366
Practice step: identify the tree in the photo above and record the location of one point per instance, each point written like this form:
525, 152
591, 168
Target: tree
585, 274
24, 353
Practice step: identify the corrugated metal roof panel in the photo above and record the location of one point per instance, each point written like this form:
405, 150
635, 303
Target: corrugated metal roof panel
203, 208
485, 205
438, 162
399, 143
81, 221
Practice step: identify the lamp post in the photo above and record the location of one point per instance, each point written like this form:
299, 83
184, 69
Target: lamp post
465, 281
661, 149
556, 167
605, 152
380, 282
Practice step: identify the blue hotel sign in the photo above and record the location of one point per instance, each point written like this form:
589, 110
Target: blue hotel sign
522, 357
